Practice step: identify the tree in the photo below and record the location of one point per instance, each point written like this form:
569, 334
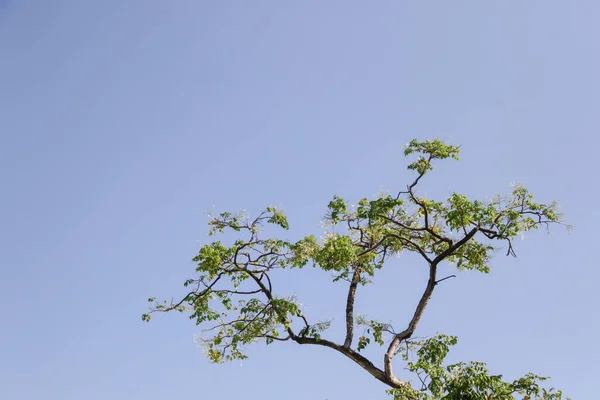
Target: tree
233, 291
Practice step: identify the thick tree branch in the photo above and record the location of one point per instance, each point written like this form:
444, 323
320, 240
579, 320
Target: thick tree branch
408, 332
350, 307
357, 358
455, 246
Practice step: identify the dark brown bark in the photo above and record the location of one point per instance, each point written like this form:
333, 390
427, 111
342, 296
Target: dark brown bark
408, 332
350, 307
357, 358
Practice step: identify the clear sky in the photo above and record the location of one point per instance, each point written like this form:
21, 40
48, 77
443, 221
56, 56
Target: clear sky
122, 122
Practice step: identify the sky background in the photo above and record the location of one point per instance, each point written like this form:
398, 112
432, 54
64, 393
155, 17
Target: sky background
122, 122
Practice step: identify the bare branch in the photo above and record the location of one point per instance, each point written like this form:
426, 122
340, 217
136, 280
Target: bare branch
350, 307
443, 279
407, 333
357, 358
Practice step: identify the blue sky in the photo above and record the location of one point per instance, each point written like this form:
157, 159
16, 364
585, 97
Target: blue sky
121, 123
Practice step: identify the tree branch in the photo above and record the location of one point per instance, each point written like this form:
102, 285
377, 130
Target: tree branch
269, 295
414, 245
443, 279
357, 358
350, 307
407, 333
426, 228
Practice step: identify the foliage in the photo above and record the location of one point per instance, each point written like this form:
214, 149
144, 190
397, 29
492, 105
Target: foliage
461, 381
233, 294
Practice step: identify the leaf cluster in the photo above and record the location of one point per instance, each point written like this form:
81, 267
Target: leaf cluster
462, 381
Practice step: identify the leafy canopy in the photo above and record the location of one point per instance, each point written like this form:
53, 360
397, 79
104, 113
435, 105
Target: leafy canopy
233, 297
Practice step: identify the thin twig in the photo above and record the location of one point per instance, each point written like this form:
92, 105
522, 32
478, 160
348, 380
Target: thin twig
443, 279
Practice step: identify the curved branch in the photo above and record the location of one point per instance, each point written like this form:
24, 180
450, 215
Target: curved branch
285, 339
357, 358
